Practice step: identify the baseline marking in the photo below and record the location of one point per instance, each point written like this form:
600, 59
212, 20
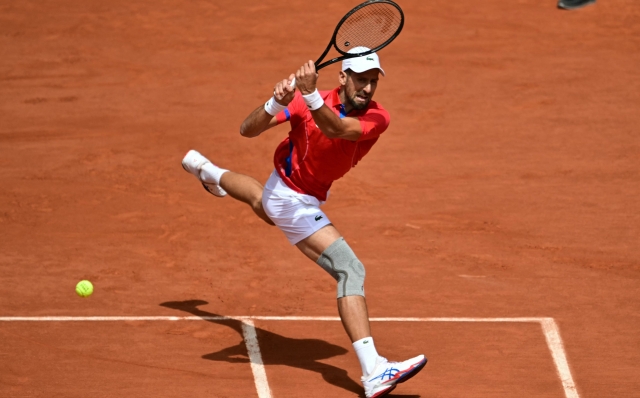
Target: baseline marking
549, 329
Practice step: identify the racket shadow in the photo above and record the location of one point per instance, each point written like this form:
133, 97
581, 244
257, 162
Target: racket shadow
277, 349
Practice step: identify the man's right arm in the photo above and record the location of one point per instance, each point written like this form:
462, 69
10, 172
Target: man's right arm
257, 122
260, 120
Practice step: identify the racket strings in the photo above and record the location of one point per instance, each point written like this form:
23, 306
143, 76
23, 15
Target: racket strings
370, 26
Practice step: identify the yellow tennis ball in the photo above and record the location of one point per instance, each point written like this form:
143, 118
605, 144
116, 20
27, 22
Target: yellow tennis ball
84, 288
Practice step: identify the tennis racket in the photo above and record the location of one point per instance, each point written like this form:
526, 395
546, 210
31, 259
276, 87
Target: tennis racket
373, 24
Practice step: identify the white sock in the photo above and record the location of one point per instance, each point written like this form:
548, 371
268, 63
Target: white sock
211, 173
367, 354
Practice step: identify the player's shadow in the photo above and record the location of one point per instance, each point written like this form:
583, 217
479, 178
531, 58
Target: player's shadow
277, 349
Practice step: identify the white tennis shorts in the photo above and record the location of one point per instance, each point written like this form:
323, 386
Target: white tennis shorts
296, 214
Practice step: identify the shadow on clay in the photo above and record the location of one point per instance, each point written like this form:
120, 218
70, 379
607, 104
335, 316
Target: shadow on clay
279, 350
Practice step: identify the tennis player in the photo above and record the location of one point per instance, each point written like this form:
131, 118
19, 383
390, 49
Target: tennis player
331, 131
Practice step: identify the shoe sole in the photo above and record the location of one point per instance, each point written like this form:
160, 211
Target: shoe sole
206, 188
566, 7
385, 392
402, 379
414, 372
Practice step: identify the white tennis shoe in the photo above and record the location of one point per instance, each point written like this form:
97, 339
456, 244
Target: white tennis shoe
193, 162
386, 375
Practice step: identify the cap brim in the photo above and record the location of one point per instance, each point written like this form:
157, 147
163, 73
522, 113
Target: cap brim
364, 70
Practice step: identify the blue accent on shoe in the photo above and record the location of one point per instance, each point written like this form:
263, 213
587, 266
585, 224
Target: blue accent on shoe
389, 373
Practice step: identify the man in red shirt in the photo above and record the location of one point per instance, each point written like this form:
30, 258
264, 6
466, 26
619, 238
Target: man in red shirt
330, 132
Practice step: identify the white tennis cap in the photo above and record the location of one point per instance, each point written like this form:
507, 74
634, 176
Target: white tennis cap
364, 63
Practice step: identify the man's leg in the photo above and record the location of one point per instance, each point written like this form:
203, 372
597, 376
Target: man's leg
352, 309
327, 248
355, 317
239, 186
245, 189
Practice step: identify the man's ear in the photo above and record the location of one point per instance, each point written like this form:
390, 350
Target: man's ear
342, 78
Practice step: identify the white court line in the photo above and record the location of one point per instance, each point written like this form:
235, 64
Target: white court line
549, 329
255, 358
247, 318
552, 334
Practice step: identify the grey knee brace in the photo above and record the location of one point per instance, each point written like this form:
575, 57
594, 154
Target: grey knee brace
343, 265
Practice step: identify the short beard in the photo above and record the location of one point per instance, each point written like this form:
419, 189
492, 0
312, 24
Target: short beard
357, 105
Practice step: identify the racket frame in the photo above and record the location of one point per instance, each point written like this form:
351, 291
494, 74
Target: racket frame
345, 55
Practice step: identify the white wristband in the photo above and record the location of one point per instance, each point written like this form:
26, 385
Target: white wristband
272, 107
314, 100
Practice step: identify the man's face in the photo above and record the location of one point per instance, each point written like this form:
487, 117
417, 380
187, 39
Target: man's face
359, 87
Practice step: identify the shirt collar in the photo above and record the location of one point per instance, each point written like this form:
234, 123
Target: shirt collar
333, 100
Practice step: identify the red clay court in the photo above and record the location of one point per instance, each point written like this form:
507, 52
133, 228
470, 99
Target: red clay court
498, 217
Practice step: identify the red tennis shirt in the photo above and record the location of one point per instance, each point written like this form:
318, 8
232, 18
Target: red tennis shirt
307, 160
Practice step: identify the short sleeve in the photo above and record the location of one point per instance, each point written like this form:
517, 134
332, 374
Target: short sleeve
283, 116
374, 122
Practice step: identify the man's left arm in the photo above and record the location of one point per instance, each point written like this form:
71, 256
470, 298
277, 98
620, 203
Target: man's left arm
348, 128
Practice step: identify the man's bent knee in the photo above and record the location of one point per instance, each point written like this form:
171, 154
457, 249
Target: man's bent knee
343, 265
